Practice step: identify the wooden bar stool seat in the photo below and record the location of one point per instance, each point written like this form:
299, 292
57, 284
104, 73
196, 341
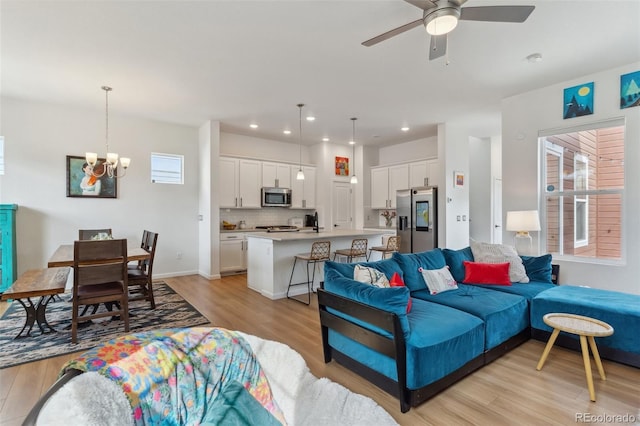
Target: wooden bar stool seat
392, 245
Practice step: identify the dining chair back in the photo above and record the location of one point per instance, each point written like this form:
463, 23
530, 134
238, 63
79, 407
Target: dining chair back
141, 278
88, 234
358, 249
99, 276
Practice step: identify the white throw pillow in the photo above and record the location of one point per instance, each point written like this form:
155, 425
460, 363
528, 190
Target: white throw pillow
500, 253
438, 280
371, 276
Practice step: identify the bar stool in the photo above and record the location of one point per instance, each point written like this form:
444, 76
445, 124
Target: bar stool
392, 245
320, 251
358, 249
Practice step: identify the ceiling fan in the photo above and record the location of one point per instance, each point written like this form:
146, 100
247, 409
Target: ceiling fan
441, 16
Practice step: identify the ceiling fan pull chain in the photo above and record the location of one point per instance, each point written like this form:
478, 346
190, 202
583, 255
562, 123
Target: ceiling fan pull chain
447, 51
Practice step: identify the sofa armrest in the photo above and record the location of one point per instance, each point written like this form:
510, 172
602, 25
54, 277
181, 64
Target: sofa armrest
346, 316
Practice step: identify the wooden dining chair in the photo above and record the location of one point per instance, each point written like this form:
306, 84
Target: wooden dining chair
99, 276
141, 277
140, 264
88, 234
358, 249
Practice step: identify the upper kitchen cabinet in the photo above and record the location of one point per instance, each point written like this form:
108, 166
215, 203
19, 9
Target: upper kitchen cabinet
240, 183
303, 192
276, 175
424, 173
385, 181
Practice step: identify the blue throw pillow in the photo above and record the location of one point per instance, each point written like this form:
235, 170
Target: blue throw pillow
455, 261
412, 262
538, 268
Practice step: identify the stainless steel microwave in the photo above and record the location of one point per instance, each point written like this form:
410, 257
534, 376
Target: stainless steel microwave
276, 197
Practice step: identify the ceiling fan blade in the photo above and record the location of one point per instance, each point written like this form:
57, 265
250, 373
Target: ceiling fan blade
422, 4
437, 46
496, 13
394, 32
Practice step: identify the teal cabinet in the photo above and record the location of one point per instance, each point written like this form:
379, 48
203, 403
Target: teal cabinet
8, 261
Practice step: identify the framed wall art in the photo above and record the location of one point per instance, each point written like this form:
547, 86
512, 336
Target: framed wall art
458, 179
630, 90
80, 183
578, 101
342, 166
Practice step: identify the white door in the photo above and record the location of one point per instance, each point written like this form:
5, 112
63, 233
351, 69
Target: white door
341, 206
497, 211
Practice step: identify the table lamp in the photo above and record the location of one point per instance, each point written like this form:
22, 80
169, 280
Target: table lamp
522, 222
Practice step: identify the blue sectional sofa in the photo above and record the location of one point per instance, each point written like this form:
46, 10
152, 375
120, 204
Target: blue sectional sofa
416, 353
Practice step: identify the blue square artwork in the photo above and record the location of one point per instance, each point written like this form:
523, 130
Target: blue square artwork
578, 100
630, 90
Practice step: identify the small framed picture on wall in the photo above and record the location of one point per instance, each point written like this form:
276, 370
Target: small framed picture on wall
342, 166
458, 179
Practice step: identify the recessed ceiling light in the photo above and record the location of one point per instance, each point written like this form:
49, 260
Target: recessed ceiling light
253, 126
404, 129
352, 142
325, 139
287, 132
311, 118
534, 57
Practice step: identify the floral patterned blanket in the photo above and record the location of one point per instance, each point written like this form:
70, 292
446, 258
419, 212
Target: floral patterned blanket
171, 376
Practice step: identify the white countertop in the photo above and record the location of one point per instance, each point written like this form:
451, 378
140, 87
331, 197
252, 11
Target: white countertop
311, 235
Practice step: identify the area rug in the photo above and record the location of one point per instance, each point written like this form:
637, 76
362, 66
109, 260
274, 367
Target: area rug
171, 311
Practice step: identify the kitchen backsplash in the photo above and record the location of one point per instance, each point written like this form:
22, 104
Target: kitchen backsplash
261, 217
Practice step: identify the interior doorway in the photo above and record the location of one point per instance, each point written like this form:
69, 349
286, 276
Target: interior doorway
341, 214
497, 211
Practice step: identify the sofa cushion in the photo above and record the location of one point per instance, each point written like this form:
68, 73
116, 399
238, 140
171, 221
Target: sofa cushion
500, 253
458, 335
392, 299
454, 259
504, 315
368, 275
438, 280
620, 310
486, 273
411, 262
527, 290
538, 268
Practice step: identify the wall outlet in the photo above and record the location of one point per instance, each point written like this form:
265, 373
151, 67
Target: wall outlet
458, 218
179, 255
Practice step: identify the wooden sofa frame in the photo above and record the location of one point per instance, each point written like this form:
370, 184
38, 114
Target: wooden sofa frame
393, 347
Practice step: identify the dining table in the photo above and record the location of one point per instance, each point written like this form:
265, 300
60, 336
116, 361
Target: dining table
63, 256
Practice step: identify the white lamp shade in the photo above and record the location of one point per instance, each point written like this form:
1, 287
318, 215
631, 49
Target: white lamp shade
125, 162
354, 179
91, 158
300, 175
523, 221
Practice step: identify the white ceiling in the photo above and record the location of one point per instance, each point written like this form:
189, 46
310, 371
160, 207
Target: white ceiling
252, 61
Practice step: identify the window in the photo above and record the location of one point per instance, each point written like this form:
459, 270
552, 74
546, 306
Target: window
1, 155
583, 178
167, 168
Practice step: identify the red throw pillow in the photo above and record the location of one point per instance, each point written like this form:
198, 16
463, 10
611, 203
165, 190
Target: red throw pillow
486, 273
396, 281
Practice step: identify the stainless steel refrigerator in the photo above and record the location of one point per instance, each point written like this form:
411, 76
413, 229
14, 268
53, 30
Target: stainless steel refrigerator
417, 223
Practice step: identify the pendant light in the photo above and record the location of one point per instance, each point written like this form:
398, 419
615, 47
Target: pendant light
300, 175
109, 167
354, 179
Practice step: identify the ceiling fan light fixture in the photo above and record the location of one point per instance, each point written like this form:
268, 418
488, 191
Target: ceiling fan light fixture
442, 21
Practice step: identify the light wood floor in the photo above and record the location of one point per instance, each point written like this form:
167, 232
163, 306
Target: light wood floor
509, 391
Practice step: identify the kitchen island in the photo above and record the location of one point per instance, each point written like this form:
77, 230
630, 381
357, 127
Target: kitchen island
271, 254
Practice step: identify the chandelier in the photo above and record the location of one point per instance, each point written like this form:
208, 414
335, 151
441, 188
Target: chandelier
110, 166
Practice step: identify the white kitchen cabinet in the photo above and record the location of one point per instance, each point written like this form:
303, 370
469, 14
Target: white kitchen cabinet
240, 183
276, 175
303, 192
434, 172
233, 252
418, 174
385, 181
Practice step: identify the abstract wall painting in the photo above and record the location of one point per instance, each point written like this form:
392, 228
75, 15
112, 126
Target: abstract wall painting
630, 90
342, 166
578, 100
